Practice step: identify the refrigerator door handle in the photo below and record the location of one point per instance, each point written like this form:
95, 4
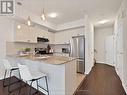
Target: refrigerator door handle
81, 60
70, 53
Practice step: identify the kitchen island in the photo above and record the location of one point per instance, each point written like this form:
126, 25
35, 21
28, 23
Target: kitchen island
61, 72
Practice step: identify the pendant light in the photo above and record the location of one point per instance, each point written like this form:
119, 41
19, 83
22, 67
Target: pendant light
29, 21
19, 26
20, 6
43, 16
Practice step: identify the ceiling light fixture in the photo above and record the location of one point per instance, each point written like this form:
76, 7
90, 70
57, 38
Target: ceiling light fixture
103, 21
19, 26
53, 15
19, 5
43, 15
29, 21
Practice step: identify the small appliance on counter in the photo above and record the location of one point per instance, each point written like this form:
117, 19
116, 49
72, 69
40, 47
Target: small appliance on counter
43, 51
48, 49
40, 51
65, 50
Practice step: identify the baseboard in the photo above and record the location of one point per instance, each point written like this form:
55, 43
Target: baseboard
103, 63
100, 62
124, 86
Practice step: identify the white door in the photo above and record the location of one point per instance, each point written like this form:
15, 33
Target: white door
119, 51
109, 50
125, 52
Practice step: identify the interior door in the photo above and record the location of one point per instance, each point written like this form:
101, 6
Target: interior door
109, 50
125, 51
119, 51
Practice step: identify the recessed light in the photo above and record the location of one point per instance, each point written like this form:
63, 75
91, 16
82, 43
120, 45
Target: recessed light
53, 15
103, 21
19, 26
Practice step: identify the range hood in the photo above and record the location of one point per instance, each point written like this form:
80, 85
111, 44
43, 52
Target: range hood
42, 39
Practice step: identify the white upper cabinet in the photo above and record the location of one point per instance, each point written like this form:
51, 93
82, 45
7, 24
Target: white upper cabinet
64, 37
30, 34
60, 38
52, 38
23, 34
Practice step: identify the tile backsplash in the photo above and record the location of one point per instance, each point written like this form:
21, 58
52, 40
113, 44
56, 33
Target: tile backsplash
58, 48
13, 48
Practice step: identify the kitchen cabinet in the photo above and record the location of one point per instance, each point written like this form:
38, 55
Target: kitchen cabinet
64, 37
51, 38
24, 34
61, 38
30, 34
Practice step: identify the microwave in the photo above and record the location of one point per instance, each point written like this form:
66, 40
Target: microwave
41, 39
65, 50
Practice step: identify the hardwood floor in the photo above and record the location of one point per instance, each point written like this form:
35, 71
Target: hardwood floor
16, 87
102, 80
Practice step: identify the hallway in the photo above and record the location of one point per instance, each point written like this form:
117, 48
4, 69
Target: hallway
102, 80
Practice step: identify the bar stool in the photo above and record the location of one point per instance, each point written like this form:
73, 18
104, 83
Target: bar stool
10, 69
27, 76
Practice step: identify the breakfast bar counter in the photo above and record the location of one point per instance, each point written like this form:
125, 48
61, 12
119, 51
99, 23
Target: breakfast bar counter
61, 72
54, 60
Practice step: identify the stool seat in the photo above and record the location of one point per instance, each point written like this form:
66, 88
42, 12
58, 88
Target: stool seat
36, 75
10, 69
26, 75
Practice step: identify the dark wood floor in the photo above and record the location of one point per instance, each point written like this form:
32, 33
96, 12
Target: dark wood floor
102, 80
16, 87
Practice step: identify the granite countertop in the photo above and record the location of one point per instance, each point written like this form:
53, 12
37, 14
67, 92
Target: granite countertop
49, 59
57, 60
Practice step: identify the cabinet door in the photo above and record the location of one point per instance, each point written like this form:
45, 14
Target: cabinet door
74, 32
32, 35
77, 32
21, 35
60, 38
51, 38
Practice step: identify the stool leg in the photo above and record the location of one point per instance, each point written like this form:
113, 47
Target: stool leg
9, 81
19, 74
19, 88
47, 84
30, 87
4, 78
20, 82
37, 84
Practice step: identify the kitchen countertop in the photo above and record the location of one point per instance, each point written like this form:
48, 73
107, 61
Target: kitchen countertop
49, 59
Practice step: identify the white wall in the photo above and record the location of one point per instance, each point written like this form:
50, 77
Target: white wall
89, 45
99, 36
6, 34
121, 21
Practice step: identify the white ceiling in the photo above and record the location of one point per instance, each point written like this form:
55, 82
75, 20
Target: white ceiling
71, 10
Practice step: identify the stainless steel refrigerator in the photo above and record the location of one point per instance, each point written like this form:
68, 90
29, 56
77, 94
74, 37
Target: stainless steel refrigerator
77, 50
